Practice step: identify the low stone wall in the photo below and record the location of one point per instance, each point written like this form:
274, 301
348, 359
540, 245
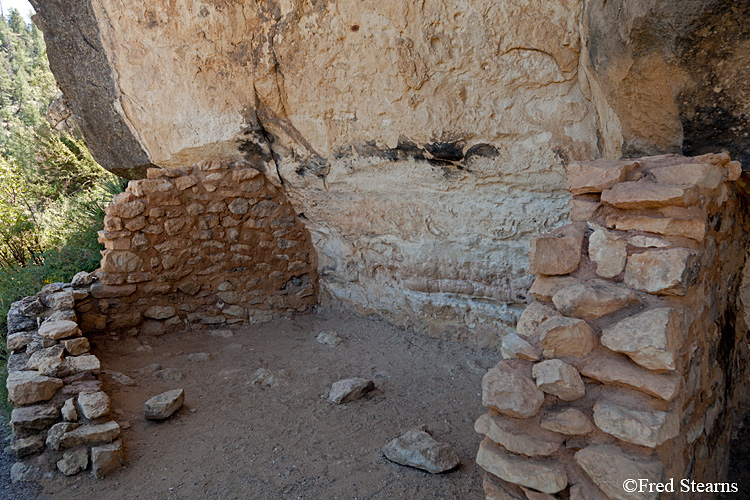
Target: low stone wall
212, 245
631, 362
61, 417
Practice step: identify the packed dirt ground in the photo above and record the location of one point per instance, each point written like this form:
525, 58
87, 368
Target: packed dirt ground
273, 434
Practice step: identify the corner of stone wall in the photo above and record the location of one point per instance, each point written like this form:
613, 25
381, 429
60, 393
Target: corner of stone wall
628, 363
61, 417
209, 246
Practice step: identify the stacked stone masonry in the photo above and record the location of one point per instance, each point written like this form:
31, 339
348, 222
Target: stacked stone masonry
629, 363
61, 418
208, 246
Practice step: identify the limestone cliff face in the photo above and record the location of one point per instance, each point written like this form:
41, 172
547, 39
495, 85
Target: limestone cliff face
422, 143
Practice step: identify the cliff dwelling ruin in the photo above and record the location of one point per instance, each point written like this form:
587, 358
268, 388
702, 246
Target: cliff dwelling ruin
547, 195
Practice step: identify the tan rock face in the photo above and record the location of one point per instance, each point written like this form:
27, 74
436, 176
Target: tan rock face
510, 392
514, 346
608, 251
532, 317
561, 379
556, 253
644, 427
643, 194
665, 272
608, 467
528, 439
25, 387
593, 299
568, 421
617, 371
563, 336
596, 176
547, 476
689, 228
651, 338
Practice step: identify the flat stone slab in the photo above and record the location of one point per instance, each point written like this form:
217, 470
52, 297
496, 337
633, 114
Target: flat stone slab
26, 387
164, 405
615, 370
418, 449
644, 427
61, 329
519, 436
541, 474
608, 467
349, 389
593, 299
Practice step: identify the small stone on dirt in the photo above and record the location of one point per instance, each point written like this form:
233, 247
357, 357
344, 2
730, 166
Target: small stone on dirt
119, 378
197, 357
350, 389
223, 334
418, 449
167, 375
330, 338
164, 405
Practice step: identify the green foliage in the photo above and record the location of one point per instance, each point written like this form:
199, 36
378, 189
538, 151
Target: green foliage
52, 191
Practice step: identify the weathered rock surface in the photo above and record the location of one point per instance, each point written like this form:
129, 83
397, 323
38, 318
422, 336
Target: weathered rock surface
645, 427
27, 447
94, 404
568, 421
416, 448
90, 433
349, 389
608, 467
74, 461
106, 458
510, 392
596, 176
59, 329
558, 252
514, 346
162, 406
531, 318
544, 475
545, 287
330, 338
563, 336
617, 371
644, 194
68, 411
26, 387
37, 417
689, 228
665, 272
522, 437
608, 251
651, 338
561, 379
593, 299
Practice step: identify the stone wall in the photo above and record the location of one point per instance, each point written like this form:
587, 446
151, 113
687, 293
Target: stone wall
61, 417
213, 245
631, 361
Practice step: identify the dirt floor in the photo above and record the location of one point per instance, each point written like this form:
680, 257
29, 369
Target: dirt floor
248, 437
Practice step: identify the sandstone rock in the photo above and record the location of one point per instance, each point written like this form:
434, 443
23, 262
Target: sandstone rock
26, 387
645, 427
545, 287
159, 312
582, 210
239, 206
518, 436
560, 379
60, 300
545, 475
74, 461
665, 272
536, 495
496, 489
17, 361
563, 336
184, 182
596, 176
514, 346
350, 389
56, 432
556, 253
126, 210
705, 175
647, 242
651, 338
533, 316
76, 347
586, 490
510, 392
164, 405
593, 299
17, 322
45, 358
79, 364
59, 329
264, 378
148, 369
617, 371
608, 467
31, 306
688, 228
33, 418
568, 421
18, 341
120, 378
27, 447
94, 404
418, 449
82, 279
106, 458
102, 291
330, 338
121, 262
91, 433
69, 413
67, 314
608, 251
644, 194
